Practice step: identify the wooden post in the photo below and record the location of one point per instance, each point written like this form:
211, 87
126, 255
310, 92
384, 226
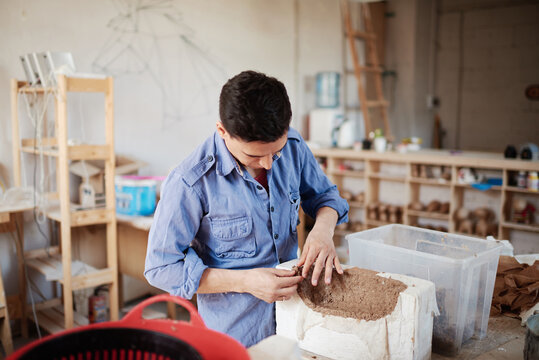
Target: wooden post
112, 253
19, 227
16, 146
65, 207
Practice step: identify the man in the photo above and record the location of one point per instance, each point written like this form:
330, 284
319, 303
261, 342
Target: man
228, 214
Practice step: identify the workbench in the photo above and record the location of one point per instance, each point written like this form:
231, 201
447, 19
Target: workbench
133, 234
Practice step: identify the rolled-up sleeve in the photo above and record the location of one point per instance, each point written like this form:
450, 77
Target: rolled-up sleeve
171, 264
316, 189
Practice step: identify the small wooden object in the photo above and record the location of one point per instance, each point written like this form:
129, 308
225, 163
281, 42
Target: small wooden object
356, 226
359, 197
383, 214
394, 214
343, 226
433, 206
444, 208
372, 211
346, 195
466, 227
417, 206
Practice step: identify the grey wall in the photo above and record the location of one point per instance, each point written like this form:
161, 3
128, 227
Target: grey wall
488, 53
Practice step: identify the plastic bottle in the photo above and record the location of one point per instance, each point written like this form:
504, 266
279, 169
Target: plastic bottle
533, 181
521, 180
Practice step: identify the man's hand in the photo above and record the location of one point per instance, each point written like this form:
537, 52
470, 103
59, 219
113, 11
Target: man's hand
319, 248
270, 284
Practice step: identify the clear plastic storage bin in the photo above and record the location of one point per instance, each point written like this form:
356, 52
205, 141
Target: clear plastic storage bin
462, 268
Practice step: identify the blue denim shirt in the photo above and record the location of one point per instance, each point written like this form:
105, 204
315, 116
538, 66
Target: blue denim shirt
212, 213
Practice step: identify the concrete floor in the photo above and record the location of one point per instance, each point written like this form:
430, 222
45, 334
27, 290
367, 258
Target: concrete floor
504, 341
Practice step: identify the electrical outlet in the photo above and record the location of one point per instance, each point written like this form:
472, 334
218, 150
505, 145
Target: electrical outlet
432, 101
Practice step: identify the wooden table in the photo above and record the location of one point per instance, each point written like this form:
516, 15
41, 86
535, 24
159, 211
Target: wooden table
132, 243
133, 234
11, 220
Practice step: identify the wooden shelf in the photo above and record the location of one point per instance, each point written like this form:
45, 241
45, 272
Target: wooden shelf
348, 173
378, 174
520, 190
468, 235
36, 89
523, 227
434, 182
388, 177
74, 152
429, 215
377, 222
83, 217
48, 151
469, 186
52, 319
82, 275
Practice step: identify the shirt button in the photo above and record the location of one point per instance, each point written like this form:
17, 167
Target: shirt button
272, 209
276, 236
259, 187
210, 158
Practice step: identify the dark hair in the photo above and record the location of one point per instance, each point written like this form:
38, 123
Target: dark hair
255, 107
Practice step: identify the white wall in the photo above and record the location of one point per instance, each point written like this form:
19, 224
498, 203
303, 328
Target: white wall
197, 46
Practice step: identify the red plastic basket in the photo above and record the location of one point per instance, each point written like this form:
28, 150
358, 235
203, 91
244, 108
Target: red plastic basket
136, 338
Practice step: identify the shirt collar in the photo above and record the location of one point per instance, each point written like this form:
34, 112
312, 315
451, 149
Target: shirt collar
226, 162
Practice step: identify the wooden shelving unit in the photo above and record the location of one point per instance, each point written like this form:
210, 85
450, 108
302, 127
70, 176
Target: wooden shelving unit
56, 263
373, 176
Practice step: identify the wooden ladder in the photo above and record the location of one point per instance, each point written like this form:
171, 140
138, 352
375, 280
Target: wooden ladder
372, 66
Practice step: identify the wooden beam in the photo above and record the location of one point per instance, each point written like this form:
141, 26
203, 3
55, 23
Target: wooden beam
44, 142
86, 85
15, 133
88, 152
93, 279
92, 217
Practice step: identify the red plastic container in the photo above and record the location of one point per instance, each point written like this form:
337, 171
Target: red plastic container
136, 338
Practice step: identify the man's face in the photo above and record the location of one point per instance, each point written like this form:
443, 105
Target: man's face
253, 154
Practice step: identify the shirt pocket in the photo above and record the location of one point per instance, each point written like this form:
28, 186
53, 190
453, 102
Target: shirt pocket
294, 198
232, 237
